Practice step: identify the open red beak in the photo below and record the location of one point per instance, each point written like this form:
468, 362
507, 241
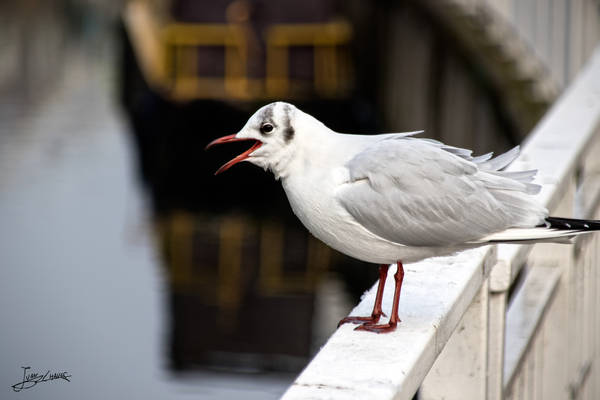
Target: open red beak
241, 157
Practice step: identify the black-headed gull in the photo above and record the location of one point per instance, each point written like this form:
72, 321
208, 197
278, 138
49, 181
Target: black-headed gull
394, 198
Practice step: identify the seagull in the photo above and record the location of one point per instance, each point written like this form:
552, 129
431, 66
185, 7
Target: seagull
395, 198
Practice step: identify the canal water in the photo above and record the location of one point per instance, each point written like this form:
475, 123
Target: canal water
82, 288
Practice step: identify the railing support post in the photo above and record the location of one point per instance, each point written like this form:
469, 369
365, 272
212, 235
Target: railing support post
497, 329
500, 279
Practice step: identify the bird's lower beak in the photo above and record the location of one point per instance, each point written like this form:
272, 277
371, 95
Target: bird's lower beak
241, 157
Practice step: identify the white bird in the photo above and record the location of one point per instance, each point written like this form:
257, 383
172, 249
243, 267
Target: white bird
394, 198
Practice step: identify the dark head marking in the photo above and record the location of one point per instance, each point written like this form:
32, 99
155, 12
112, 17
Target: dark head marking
267, 115
288, 129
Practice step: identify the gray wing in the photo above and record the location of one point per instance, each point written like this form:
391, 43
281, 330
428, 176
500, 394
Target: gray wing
421, 192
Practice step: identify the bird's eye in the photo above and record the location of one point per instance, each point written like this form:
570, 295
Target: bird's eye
266, 128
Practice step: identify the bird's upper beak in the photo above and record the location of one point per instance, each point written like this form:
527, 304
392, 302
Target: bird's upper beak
241, 157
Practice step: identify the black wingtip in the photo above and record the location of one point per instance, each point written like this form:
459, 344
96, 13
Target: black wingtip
572, 224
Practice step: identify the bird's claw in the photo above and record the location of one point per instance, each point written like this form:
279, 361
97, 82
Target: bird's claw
372, 320
381, 328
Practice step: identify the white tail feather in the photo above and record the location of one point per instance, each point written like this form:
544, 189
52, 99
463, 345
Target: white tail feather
531, 235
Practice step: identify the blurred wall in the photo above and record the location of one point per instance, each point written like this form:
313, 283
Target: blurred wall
36, 39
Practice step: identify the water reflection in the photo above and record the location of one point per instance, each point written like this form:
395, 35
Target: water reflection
239, 288
243, 291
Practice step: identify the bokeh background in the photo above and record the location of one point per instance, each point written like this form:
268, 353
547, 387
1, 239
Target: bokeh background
126, 263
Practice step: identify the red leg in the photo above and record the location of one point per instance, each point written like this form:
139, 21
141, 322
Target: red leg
391, 325
377, 313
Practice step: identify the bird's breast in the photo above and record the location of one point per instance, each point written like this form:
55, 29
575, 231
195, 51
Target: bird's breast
312, 198
314, 202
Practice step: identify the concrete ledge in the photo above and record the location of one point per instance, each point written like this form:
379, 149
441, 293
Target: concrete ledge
359, 365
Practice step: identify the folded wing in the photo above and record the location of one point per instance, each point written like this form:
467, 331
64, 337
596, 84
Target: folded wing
420, 192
